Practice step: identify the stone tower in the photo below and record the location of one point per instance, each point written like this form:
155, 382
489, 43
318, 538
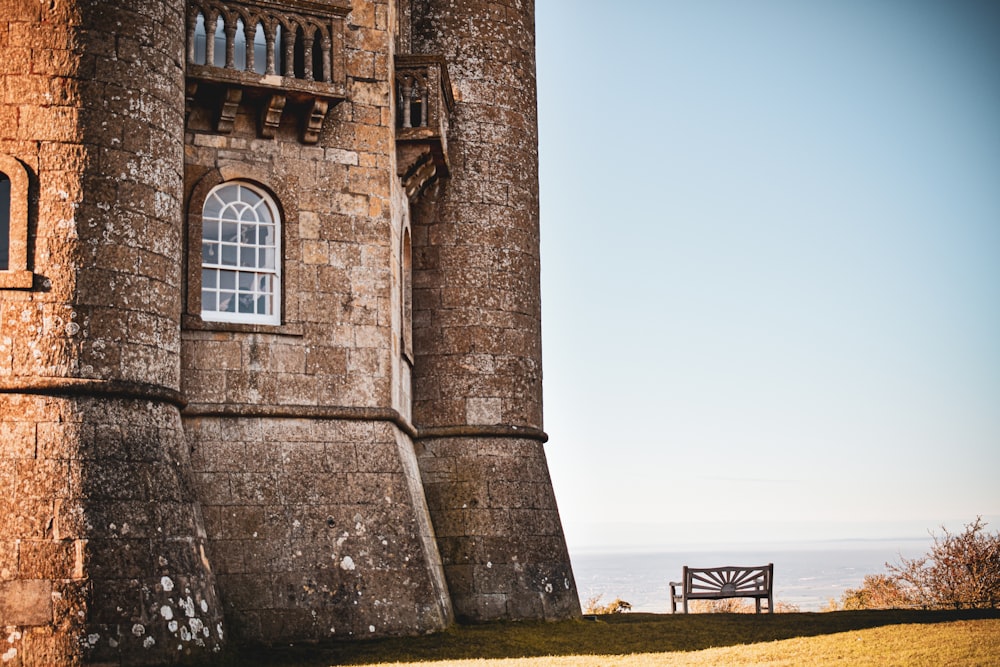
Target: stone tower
102, 542
270, 362
477, 326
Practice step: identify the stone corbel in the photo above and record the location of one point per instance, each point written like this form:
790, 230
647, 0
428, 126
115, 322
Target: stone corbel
270, 115
227, 112
314, 121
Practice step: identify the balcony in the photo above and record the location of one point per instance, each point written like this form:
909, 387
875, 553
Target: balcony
424, 100
279, 56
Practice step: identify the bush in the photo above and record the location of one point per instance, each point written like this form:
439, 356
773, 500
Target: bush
961, 571
593, 606
736, 606
878, 591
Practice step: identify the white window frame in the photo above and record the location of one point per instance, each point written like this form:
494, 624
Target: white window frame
232, 266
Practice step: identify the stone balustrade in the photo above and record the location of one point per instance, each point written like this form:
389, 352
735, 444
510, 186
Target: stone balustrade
273, 51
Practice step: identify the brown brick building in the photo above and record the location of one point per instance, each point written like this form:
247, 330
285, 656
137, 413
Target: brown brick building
270, 362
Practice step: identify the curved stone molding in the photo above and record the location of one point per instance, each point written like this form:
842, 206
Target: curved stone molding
498, 431
92, 388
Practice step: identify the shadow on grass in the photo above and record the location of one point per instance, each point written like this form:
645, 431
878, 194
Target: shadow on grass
607, 635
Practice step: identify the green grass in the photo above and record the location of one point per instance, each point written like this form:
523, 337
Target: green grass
898, 637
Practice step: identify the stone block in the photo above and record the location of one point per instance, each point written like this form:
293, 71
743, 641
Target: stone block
26, 602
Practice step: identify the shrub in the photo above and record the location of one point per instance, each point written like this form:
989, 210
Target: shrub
961, 571
593, 606
735, 606
878, 591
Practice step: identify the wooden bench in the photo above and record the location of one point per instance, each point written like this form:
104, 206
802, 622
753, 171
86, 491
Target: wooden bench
719, 583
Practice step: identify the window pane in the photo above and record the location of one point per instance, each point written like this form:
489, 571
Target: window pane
246, 281
199, 40
213, 205
228, 255
241, 46
262, 305
267, 235
279, 51
248, 234
210, 253
220, 43
210, 230
230, 232
208, 278
208, 301
247, 257
259, 50
227, 279
246, 303
227, 302
250, 197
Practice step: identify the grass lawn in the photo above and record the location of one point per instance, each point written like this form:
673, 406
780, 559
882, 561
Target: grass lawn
895, 637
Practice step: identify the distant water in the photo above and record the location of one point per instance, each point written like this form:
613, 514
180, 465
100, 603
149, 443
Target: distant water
807, 575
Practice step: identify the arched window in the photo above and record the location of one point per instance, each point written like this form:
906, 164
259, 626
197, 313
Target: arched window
240, 49
407, 300
279, 51
299, 65
240, 251
200, 52
219, 56
259, 50
4, 221
14, 273
317, 57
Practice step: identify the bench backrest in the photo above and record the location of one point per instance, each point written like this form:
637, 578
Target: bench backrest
728, 581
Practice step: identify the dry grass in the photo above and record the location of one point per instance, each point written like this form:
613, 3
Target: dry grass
648, 640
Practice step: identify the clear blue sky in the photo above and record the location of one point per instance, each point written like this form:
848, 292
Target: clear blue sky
770, 267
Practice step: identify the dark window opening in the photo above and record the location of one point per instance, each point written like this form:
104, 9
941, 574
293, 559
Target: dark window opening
300, 55
317, 58
417, 112
4, 222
